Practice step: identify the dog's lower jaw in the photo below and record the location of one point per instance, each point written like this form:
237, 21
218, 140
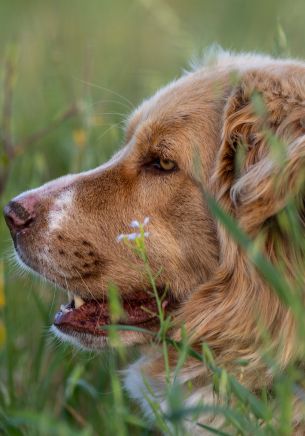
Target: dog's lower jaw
146, 390
84, 341
90, 342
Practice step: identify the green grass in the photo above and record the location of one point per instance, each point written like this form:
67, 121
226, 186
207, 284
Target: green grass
104, 57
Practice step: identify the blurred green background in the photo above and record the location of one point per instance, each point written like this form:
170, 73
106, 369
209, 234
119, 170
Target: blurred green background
102, 57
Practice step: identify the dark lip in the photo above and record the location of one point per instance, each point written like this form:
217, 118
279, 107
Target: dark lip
93, 315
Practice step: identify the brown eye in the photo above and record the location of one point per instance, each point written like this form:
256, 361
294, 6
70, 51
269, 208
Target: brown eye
166, 164
162, 165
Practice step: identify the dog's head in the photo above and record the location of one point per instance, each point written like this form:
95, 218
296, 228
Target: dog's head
67, 230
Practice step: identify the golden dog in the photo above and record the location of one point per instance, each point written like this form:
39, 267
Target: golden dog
67, 229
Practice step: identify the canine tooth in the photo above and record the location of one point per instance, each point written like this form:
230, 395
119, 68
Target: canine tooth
70, 296
78, 301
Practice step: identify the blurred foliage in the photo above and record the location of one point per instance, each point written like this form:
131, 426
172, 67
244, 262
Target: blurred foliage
104, 57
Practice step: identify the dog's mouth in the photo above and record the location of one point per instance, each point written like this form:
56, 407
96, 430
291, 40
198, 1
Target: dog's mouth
90, 316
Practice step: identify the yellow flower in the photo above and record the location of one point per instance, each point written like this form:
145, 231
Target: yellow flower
80, 137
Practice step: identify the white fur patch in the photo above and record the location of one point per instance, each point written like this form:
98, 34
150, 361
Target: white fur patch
136, 384
84, 341
61, 210
136, 387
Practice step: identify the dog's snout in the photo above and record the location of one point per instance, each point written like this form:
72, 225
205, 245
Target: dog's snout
20, 214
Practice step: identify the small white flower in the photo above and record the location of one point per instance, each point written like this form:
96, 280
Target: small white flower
135, 224
134, 235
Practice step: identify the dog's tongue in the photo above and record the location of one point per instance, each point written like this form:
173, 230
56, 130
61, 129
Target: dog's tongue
92, 315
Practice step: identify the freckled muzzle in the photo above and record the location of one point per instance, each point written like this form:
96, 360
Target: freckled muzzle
38, 225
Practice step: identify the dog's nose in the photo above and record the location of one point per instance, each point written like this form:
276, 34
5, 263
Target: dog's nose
20, 213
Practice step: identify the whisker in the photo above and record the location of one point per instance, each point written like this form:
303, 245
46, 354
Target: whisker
102, 88
85, 284
96, 103
53, 301
112, 126
112, 113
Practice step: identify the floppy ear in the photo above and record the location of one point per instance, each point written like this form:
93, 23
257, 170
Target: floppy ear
224, 312
258, 169
262, 154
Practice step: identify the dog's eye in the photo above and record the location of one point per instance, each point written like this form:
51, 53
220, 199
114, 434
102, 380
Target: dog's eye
164, 164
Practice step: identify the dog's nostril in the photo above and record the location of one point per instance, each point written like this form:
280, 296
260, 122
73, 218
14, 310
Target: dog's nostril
19, 215
19, 211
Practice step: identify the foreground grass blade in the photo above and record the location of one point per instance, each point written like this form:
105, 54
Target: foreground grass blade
271, 274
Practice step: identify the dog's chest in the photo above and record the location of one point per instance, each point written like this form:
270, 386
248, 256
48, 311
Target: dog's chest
148, 392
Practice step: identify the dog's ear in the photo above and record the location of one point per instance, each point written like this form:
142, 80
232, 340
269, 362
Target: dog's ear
259, 168
261, 160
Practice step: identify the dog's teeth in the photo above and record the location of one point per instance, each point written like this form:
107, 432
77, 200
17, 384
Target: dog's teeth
78, 301
70, 296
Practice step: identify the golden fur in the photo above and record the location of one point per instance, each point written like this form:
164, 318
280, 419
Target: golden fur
207, 116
